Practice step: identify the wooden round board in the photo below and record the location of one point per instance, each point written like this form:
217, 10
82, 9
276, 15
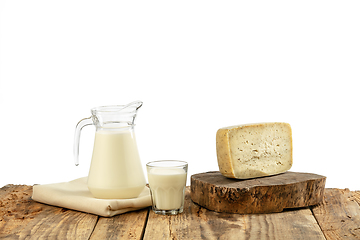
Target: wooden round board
259, 195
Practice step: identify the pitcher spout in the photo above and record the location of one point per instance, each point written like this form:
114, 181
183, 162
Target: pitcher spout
131, 109
133, 105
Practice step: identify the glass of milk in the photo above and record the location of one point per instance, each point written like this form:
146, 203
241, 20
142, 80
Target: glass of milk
167, 181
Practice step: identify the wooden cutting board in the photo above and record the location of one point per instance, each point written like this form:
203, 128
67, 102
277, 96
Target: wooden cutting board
259, 195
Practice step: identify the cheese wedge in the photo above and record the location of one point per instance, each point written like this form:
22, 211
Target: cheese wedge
254, 150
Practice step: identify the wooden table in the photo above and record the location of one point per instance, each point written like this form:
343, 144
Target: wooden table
338, 217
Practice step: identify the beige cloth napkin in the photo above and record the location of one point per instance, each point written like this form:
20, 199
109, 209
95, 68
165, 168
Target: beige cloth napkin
75, 195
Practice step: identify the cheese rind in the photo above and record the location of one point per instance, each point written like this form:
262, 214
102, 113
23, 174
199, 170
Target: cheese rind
254, 150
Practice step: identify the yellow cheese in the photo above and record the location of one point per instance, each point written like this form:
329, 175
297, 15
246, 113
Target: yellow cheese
254, 150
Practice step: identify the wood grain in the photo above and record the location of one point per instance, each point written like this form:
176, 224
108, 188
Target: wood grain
23, 218
339, 215
15, 210
355, 196
260, 195
130, 225
197, 222
158, 227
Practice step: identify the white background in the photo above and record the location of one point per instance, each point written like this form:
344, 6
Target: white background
197, 66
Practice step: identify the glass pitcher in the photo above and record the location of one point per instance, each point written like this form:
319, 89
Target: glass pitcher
115, 170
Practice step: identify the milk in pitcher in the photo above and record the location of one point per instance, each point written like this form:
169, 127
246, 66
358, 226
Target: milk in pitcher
115, 170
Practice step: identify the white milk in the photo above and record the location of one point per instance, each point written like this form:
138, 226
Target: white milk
115, 170
167, 187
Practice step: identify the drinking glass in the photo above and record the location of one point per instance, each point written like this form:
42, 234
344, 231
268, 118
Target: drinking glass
167, 181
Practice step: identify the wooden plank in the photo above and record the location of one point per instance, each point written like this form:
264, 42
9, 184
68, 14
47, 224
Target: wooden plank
129, 225
13, 217
158, 227
197, 222
339, 214
23, 218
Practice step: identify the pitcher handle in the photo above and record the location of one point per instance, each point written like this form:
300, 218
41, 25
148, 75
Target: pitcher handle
83, 122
